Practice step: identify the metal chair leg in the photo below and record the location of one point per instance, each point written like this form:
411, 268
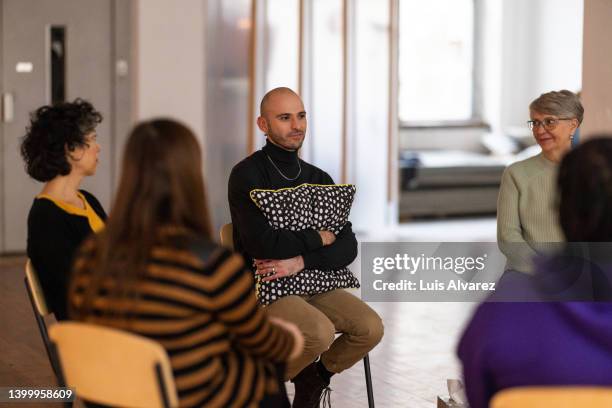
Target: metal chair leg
368, 377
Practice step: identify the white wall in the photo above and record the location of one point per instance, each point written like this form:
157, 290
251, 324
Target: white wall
542, 51
170, 61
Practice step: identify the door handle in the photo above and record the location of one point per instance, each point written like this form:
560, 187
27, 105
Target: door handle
8, 107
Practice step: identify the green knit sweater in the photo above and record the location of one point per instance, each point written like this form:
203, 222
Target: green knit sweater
527, 211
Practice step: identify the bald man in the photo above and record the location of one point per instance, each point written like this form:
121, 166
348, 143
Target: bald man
277, 165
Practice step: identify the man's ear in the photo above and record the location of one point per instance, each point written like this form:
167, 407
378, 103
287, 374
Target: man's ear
262, 124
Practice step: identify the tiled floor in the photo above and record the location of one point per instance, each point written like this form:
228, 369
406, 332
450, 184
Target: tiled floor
411, 364
409, 367
417, 354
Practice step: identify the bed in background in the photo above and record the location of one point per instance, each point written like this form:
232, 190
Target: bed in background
441, 183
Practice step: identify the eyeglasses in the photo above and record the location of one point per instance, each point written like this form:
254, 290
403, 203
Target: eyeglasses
548, 123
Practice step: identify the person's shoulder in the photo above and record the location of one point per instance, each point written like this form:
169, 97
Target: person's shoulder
524, 165
522, 171
211, 252
248, 163
44, 210
47, 221
317, 175
489, 320
514, 296
91, 199
214, 258
308, 165
94, 203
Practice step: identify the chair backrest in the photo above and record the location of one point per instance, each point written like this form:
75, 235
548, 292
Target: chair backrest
553, 397
33, 285
227, 236
40, 310
113, 367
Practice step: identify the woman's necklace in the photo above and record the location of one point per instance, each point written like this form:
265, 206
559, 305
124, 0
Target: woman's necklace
281, 173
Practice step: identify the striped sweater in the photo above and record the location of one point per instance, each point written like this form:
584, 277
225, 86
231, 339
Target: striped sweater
203, 311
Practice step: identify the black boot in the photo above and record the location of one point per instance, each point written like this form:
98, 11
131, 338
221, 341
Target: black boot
309, 387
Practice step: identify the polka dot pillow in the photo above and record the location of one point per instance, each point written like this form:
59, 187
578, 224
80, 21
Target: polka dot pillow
320, 207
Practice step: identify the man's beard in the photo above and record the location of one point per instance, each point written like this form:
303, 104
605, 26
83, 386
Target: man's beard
286, 142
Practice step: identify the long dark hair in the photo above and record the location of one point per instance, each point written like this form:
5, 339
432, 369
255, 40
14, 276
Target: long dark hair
585, 191
161, 189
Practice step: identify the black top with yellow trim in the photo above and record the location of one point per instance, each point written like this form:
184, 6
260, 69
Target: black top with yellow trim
253, 235
55, 231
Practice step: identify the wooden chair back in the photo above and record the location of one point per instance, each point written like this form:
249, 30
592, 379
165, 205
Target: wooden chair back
39, 302
40, 310
553, 397
113, 367
227, 236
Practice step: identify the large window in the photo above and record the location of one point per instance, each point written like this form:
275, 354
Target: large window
436, 62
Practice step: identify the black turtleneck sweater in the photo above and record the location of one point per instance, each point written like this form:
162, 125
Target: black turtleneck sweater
253, 235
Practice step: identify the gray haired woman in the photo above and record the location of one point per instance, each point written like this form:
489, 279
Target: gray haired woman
526, 213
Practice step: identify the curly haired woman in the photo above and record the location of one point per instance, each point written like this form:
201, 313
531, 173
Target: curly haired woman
60, 149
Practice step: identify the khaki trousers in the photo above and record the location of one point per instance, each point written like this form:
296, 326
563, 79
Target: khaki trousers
319, 317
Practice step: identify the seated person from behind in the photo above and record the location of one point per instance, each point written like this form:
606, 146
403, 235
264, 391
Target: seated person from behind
60, 149
526, 216
155, 271
513, 344
282, 252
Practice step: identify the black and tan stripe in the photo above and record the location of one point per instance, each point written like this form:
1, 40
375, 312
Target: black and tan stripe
204, 312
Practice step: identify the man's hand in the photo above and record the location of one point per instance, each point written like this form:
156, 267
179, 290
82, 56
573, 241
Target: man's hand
327, 237
279, 268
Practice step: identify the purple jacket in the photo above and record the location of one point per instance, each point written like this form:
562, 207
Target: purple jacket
519, 344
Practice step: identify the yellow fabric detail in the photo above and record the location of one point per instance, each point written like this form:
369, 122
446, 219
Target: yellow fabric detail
95, 222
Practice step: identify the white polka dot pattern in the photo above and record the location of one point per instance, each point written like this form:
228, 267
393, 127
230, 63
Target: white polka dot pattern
320, 207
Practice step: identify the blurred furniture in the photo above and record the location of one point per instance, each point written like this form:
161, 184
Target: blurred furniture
40, 310
553, 397
226, 234
113, 367
448, 182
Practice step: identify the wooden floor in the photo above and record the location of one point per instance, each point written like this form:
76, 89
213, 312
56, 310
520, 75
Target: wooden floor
409, 367
24, 362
